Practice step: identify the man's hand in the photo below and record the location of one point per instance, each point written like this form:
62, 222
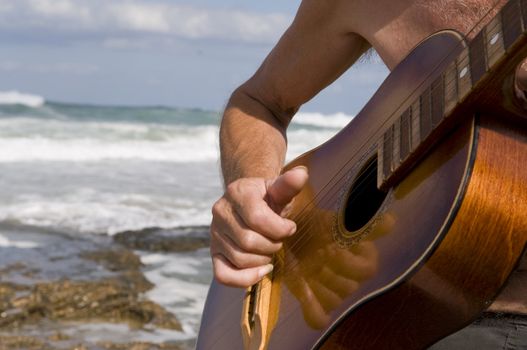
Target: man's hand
248, 226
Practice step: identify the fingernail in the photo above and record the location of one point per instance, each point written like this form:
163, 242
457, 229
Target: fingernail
298, 167
293, 229
265, 270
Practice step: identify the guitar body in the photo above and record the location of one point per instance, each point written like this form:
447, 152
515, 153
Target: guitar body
399, 268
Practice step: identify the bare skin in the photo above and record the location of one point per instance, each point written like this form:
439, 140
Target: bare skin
324, 40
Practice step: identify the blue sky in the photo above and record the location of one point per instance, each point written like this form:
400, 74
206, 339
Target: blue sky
153, 52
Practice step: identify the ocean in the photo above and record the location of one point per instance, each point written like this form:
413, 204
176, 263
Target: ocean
93, 172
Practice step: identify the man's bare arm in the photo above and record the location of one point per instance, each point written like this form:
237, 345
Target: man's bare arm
245, 232
316, 49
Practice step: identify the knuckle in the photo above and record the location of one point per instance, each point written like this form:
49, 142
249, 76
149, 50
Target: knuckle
256, 218
241, 261
244, 261
216, 208
248, 242
234, 257
264, 260
232, 189
216, 241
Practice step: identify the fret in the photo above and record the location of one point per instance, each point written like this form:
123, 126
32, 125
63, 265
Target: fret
396, 156
437, 94
478, 62
384, 157
415, 124
464, 82
451, 97
425, 124
483, 53
380, 162
494, 41
405, 130
511, 18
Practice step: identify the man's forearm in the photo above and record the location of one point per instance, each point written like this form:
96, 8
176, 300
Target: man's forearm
252, 140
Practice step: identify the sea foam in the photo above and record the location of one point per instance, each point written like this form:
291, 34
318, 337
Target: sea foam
18, 98
37, 139
108, 214
34, 139
336, 120
125, 169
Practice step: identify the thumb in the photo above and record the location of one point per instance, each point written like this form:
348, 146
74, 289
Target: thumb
286, 186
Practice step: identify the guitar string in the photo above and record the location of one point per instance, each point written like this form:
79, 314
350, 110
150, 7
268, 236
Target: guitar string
408, 121
266, 285
492, 50
370, 167
404, 102
356, 190
287, 310
465, 53
322, 190
368, 171
299, 217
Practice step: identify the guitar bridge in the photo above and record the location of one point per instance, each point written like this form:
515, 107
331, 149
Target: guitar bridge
260, 311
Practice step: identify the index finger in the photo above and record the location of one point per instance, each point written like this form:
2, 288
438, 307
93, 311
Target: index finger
258, 215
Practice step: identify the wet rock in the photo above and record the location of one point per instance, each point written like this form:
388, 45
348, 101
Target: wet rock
124, 261
182, 239
58, 336
115, 259
111, 300
22, 342
32, 343
64, 283
140, 346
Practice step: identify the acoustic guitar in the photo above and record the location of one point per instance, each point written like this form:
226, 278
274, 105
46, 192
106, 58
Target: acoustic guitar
414, 214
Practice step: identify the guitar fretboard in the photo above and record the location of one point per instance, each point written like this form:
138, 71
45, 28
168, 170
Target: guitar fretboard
430, 110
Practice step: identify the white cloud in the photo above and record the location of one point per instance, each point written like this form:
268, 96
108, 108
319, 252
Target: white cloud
54, 12
53, 7
230, 25
141, 17
161, 18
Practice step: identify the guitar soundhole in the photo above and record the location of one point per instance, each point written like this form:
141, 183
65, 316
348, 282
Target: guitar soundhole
364, 197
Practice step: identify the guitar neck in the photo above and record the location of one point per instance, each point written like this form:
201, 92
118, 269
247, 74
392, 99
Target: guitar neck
493, 51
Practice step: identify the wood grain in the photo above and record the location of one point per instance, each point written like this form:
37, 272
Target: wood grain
436, 252
468, 268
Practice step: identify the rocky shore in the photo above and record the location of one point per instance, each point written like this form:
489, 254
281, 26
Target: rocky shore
59, 291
